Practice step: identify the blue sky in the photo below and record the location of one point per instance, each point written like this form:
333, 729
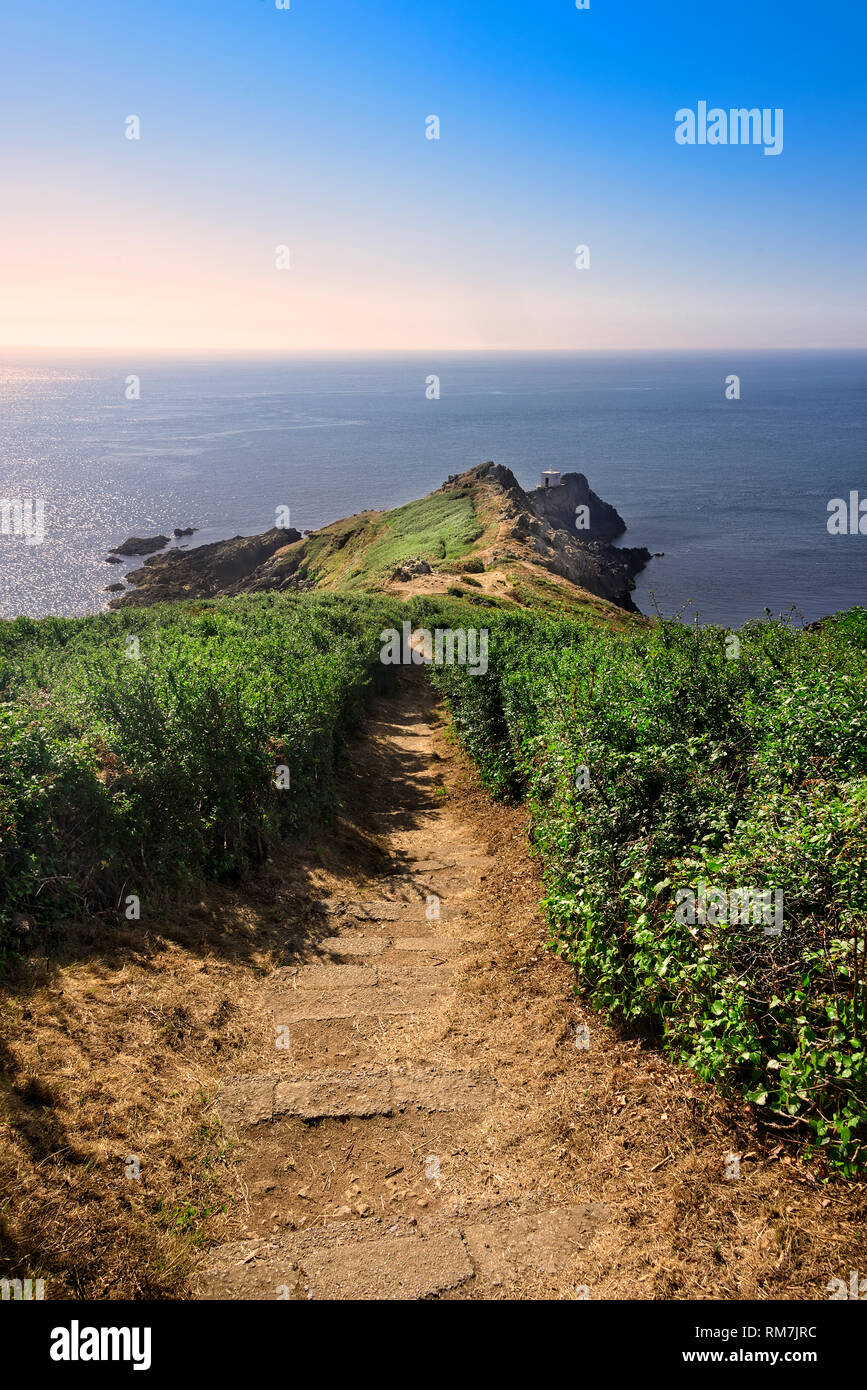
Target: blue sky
263, 127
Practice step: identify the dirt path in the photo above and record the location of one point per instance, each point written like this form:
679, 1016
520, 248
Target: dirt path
372, 1122
435, 1115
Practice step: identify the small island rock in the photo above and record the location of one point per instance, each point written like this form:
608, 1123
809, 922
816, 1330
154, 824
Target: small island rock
140, 545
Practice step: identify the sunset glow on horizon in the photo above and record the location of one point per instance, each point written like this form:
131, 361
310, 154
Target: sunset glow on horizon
306, 128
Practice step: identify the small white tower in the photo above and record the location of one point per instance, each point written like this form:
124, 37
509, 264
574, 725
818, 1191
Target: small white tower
550, 478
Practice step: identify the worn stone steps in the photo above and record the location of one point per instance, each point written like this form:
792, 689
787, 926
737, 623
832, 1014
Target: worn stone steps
399, 916
375, 1077
349, 1260
352, 944
337, 1094
337, 977
308, 1005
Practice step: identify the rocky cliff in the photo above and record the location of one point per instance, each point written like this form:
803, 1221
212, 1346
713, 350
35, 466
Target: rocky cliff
559, 506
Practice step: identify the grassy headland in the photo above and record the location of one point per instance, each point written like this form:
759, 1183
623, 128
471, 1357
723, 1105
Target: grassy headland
523, 549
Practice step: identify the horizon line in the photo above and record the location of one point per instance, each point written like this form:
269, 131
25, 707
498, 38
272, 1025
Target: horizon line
235, 353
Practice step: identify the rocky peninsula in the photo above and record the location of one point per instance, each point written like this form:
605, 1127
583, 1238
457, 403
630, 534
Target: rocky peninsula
481, 529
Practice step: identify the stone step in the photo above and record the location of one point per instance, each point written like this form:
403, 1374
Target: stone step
355, 944
438, 945
505, 1248
378, 911
332, 977
349, 944
403, 1267
308, 1005
448, 863
400, 914
346, 1260
327, 977
406, 1267
341, 1094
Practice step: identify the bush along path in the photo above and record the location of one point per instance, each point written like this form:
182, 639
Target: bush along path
699, 801
433, 1113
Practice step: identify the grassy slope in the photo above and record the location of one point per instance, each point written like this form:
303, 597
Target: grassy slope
359, 552
440, 528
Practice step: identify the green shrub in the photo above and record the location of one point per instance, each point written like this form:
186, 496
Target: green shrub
138, 774
737, 773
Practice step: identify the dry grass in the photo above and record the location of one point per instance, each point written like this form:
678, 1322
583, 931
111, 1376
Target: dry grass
112, 1048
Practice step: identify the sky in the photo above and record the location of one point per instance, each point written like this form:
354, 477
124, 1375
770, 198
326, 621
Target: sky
306, 127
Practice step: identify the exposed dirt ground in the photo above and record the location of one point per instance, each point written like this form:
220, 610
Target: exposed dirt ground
328, 1090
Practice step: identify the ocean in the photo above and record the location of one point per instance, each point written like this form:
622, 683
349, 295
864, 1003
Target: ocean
735, 492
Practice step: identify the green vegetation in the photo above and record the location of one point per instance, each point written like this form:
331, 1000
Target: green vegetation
654, 759
653, 763
127, 773
361, 551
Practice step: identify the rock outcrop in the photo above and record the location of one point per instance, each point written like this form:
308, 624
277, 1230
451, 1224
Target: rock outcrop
558, 505
140, 545
538, 527
520, 536
222, 567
